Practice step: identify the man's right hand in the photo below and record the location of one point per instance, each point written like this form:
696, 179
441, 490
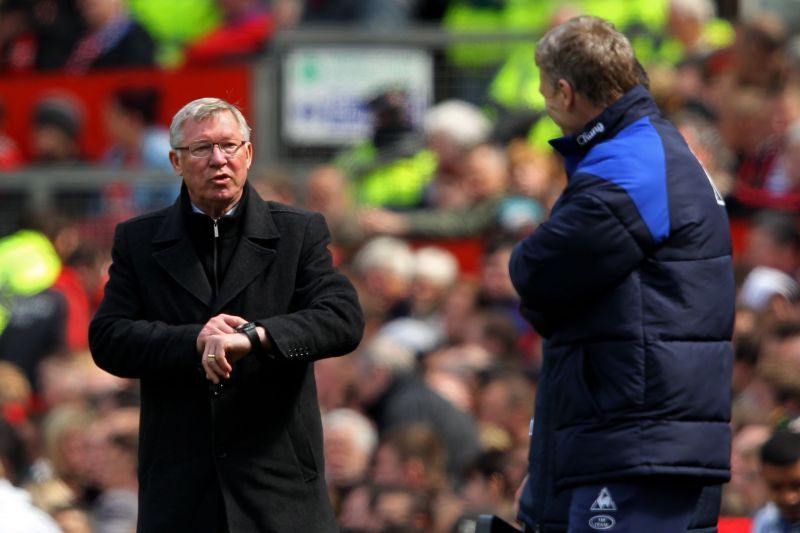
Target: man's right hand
219, 346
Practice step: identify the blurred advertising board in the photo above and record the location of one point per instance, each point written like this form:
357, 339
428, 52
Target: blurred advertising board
326, 90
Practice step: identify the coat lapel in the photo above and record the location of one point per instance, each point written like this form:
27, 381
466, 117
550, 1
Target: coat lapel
176, 255
254, 253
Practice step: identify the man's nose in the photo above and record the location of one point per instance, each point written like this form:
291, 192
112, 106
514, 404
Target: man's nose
217, 157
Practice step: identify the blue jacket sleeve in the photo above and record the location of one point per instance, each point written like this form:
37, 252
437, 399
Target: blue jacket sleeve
581, 252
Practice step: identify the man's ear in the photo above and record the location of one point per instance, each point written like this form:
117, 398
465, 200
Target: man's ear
176, 162
566, 93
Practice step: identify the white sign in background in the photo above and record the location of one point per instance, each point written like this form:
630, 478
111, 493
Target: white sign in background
326, 90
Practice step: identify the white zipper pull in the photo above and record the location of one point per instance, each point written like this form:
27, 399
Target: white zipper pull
216, 229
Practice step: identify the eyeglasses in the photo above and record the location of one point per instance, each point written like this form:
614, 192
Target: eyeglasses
202, 149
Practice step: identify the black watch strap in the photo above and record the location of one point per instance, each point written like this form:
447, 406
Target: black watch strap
249, 329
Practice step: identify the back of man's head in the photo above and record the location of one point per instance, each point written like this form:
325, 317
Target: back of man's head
596, 59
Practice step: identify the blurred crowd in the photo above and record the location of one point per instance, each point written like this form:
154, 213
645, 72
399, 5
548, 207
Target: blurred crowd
427, 423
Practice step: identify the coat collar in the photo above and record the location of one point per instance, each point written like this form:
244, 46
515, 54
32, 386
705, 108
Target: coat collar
253, 254
632, 106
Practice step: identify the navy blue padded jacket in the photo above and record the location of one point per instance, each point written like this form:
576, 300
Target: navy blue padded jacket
631, 281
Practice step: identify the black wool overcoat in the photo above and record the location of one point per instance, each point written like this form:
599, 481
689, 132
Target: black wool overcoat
259, 442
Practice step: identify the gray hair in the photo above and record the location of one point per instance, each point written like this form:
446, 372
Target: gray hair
358, 426
386, 252
465, 123
201, 109
436, 265
381, 351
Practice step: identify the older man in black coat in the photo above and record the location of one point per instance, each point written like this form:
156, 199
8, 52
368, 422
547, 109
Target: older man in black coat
220, 304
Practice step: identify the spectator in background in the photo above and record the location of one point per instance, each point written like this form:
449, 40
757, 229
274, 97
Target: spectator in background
17, 514
435, 272
398, 509
17, 38
759, 52
34, 316
113, 444
686, 24
112, 38
350, 440
780, 469
10, 155
393, 166
535, 173
740, 119
246, 29
355, 513
452, 128
774, 241
56, 318
327, 191
59, 26
487, 488
57, 125
772, 294
392, 393
385, 268
769, 176
705, 141
336, 379
490, 208
138, 140
505, 402
745, 493
413, 457
65, 431
274, 183
16, 396
197, 18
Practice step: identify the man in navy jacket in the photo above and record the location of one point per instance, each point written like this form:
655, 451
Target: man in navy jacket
631, 283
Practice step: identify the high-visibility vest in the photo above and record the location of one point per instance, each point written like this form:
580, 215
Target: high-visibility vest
498, 16
516, 84
174, 24
398, 182
29, 264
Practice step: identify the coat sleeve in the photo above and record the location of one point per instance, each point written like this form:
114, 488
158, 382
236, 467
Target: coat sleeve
581, 252
123, 344
326, 318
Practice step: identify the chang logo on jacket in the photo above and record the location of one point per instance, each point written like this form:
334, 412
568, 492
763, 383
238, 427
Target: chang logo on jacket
587, 136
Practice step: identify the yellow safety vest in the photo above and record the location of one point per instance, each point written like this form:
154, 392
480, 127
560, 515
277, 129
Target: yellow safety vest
28, 265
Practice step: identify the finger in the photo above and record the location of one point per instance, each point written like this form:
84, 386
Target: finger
211, 375
224, 366
209, 362
231, 321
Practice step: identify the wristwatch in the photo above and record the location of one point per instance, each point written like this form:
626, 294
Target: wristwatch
249, 329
